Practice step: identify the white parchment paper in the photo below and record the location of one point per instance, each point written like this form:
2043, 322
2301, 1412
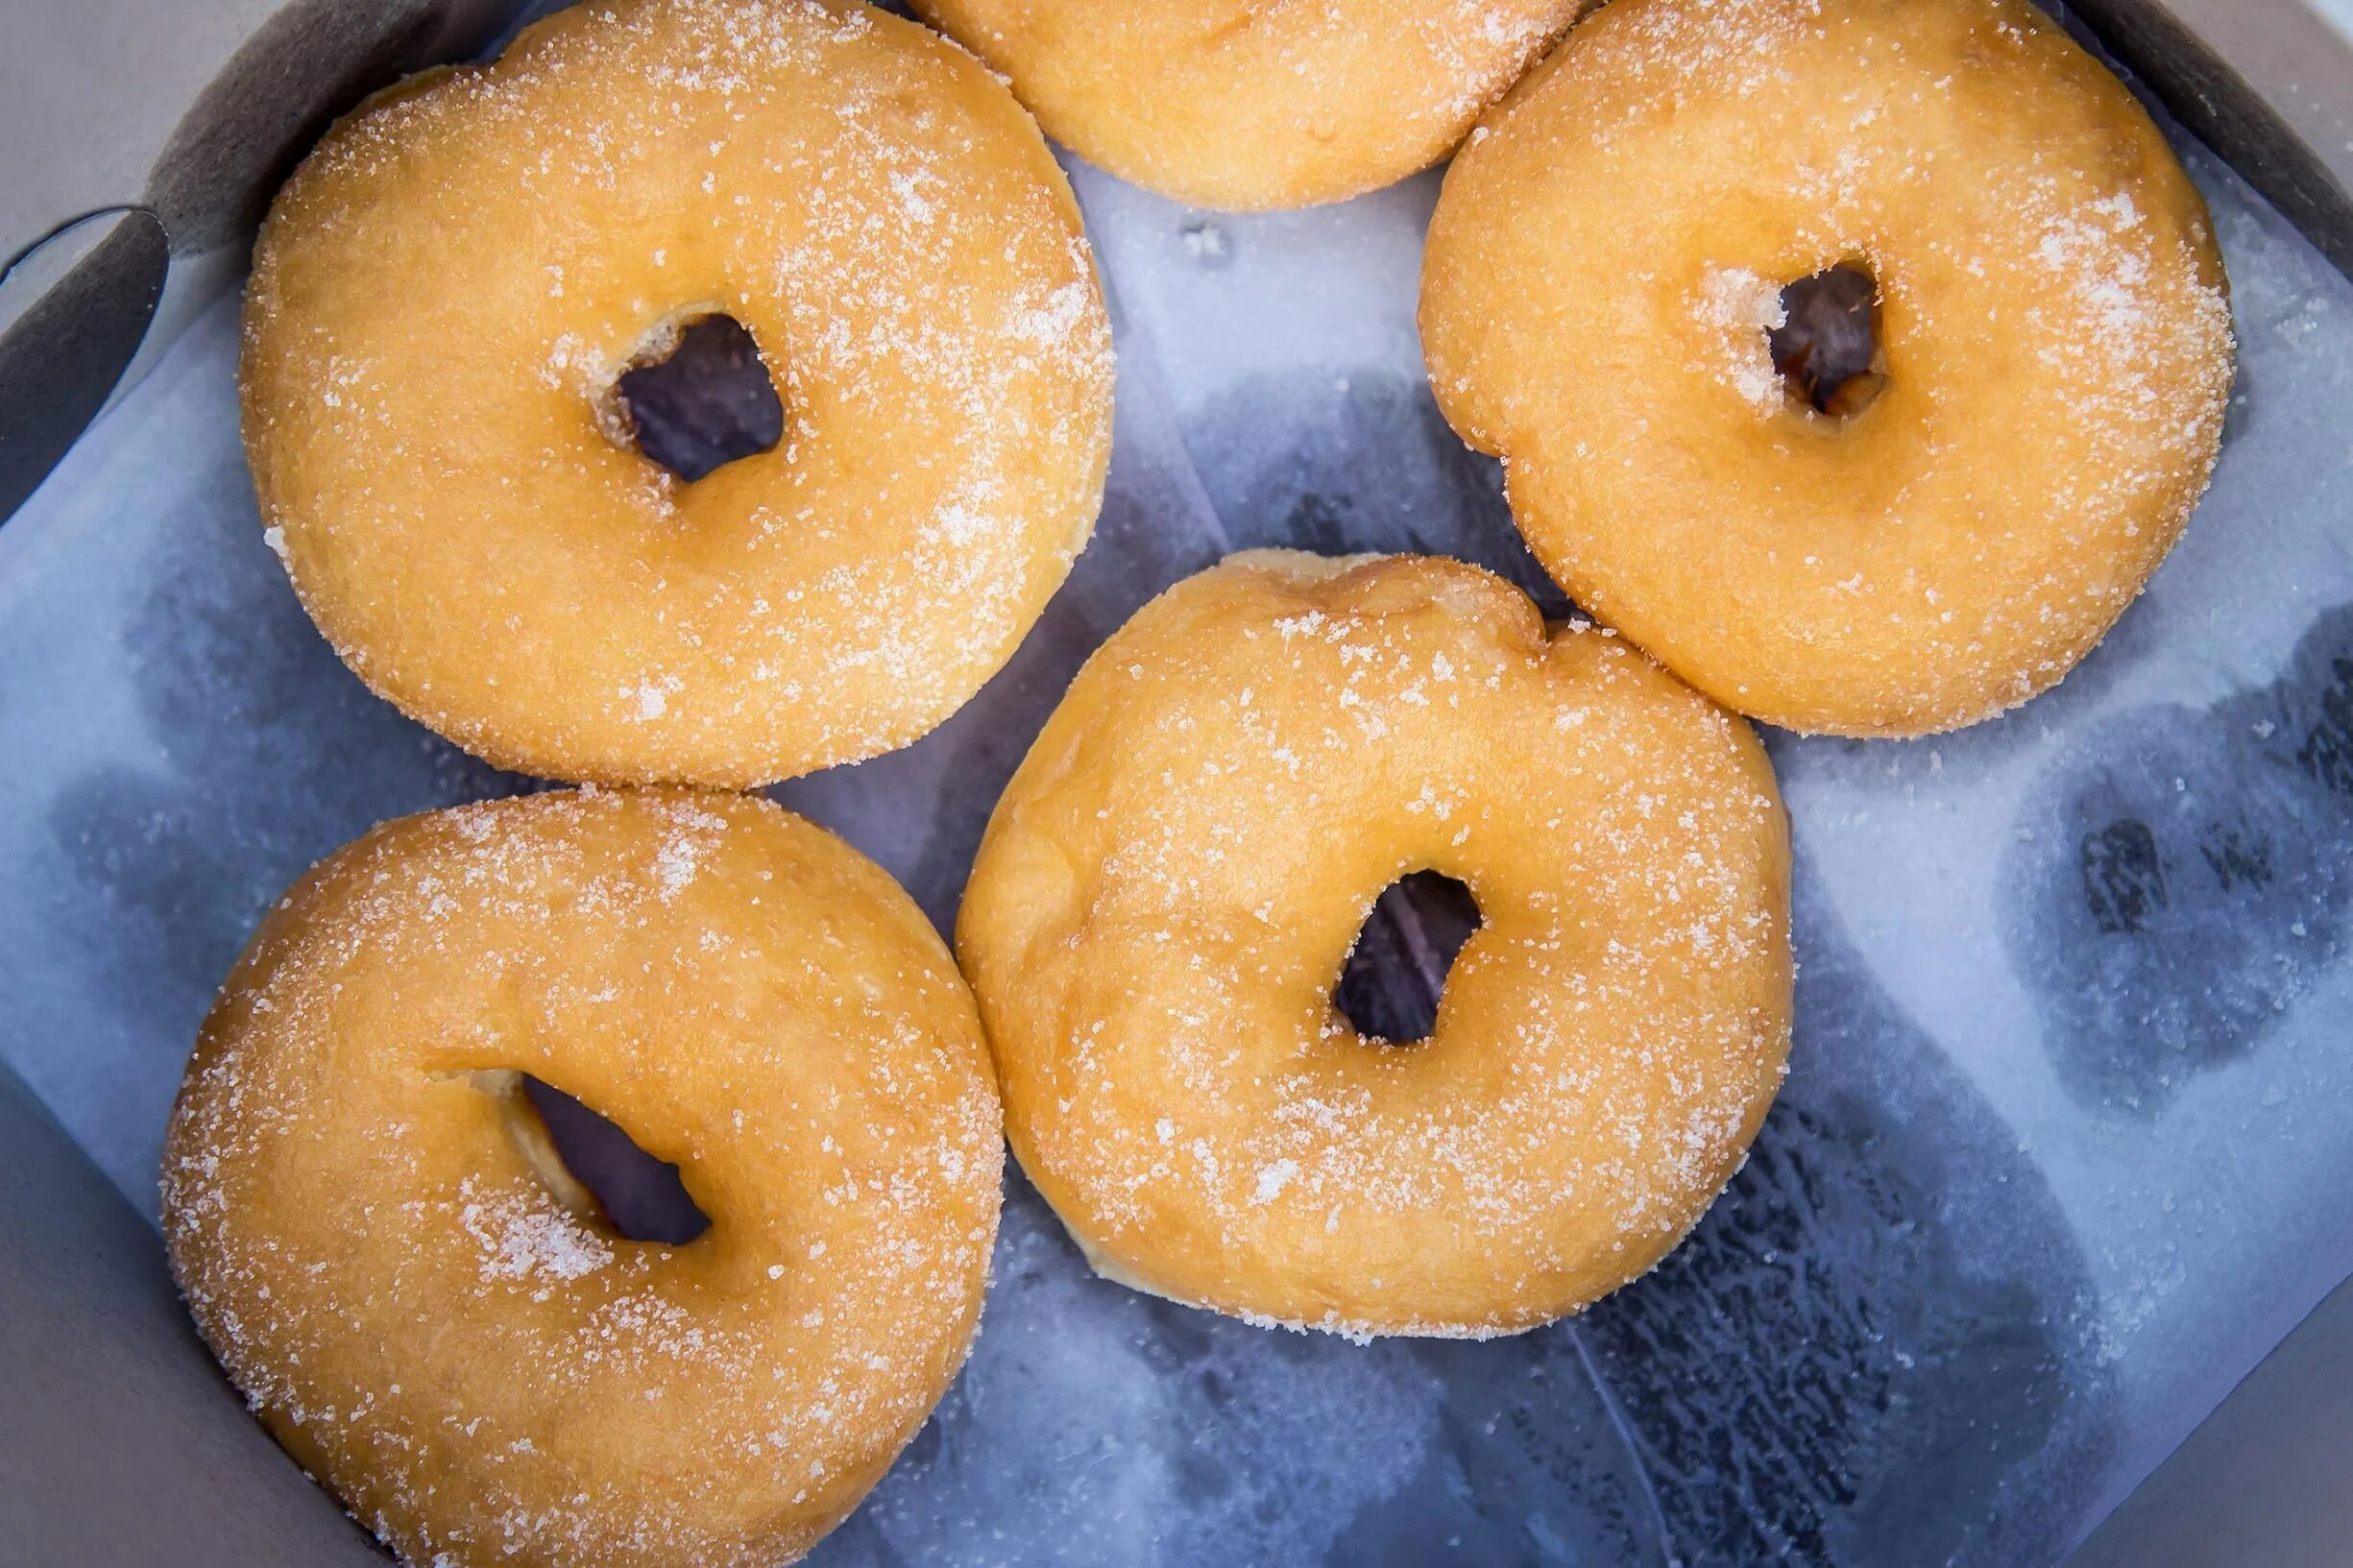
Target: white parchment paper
2073, 1088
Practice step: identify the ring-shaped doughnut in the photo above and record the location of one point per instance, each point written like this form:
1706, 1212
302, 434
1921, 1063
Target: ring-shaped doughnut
447, 289
1610, 251
1245, 105
1163, 902
487, 1377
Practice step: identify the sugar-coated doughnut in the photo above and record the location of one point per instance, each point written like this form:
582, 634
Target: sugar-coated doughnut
1606, 271
356, 1211
448, 292
1170, 885
1254, 104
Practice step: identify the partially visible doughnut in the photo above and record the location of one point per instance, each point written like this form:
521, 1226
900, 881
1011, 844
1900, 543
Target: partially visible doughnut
1605, 279
1254, 104
488, 1376
449, 288
1170, 885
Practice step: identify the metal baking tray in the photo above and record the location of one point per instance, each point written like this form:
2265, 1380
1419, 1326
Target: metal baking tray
2072, 1048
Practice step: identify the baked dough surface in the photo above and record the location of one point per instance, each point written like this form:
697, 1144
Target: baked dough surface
446, 288
1165, 897
484, 1375
1256, 103
1610, 248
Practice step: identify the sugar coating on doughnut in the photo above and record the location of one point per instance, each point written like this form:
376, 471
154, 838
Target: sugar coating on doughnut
1257, 104
1169, 887
447, 287
486, 1377
1605, 263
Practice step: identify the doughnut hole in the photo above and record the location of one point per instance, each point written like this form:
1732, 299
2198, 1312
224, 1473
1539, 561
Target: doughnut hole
1829, 347
695, 397
592, 1166
1396, 968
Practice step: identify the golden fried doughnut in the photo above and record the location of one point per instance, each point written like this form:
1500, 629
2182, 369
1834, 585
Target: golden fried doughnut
450, 289
356, 1213
1603, 301
1252, 104
1172, 882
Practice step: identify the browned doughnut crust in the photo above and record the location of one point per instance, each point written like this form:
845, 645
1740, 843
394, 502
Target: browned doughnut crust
1609, 251
1254, 104
488, 1378
447, 287
1171, 883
